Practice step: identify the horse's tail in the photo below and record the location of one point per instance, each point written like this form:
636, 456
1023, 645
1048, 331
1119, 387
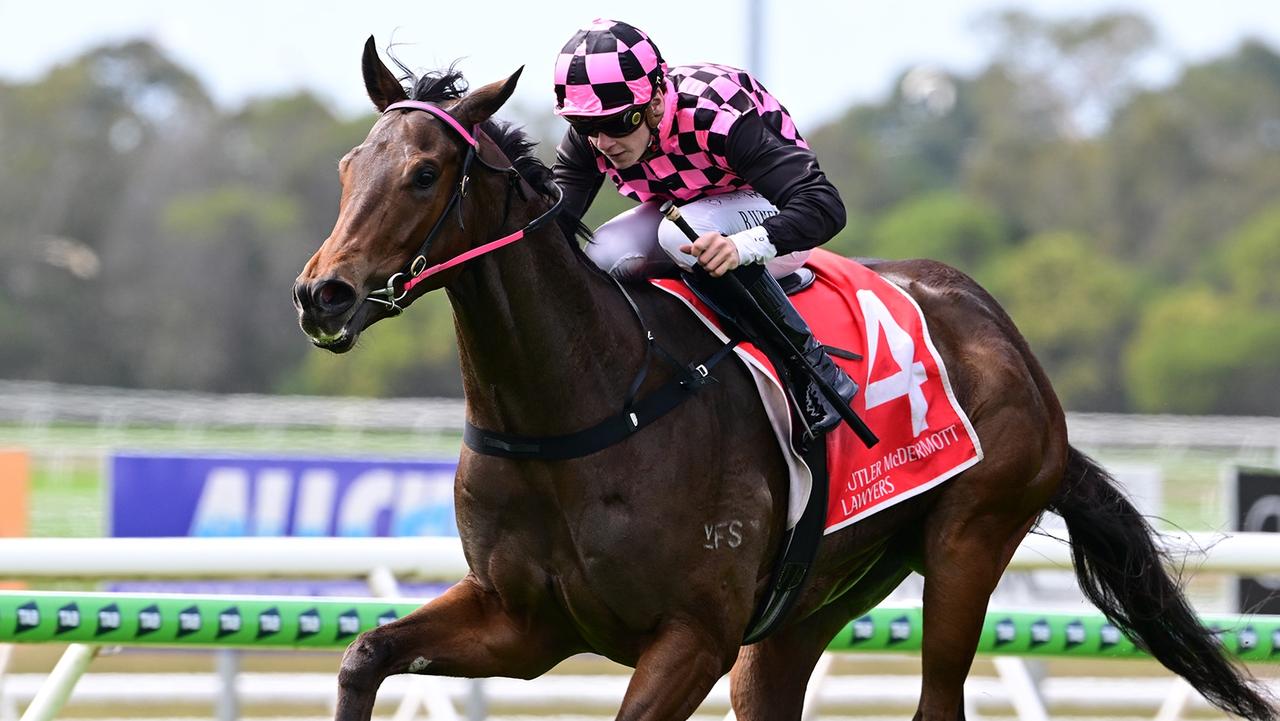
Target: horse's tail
1120, 570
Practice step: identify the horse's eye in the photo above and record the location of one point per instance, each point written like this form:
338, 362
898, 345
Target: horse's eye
424, 177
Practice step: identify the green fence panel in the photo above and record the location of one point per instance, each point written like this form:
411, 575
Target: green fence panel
1028, 633
180, 620
332, 623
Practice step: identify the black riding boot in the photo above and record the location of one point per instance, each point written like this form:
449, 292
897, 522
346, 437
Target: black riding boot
780, 314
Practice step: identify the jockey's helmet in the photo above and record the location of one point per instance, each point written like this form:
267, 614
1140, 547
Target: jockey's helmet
605, 70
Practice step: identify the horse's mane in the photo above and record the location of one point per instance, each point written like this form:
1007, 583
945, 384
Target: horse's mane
443, 85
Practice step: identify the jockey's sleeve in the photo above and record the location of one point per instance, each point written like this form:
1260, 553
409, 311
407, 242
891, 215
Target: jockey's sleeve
810, 211
578, 176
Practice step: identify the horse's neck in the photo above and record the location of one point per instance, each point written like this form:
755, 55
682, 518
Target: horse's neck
546, 344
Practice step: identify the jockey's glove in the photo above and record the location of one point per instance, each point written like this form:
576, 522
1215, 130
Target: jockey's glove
753, 245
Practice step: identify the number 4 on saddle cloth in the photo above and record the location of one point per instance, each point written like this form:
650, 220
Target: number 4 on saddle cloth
925, 437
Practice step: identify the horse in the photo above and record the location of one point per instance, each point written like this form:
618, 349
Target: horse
606, 553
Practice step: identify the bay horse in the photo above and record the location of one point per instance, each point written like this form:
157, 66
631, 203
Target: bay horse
606, 553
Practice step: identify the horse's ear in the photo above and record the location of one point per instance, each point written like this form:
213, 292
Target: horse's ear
480, 105
382, 86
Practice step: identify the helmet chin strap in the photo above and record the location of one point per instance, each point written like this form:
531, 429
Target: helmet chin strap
655, 142
654, 145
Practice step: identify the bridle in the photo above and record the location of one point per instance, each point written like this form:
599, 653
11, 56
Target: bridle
416, 270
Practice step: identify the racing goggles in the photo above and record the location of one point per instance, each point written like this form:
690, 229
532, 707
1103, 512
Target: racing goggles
618, 125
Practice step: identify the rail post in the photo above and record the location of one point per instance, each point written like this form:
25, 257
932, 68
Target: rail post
61, 682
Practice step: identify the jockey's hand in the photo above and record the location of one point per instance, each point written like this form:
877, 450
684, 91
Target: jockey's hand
715, 252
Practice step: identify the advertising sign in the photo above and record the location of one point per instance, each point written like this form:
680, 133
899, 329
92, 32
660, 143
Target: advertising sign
161, 496
157, 496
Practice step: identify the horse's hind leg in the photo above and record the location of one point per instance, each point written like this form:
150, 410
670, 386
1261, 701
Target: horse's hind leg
967, 545
769, 681
464, 632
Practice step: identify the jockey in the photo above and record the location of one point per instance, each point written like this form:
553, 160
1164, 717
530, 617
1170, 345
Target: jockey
714, 141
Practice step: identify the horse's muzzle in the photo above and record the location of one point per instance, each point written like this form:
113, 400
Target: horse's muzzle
324, 310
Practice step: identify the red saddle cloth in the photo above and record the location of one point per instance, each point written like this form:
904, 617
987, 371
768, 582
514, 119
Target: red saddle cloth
905, 396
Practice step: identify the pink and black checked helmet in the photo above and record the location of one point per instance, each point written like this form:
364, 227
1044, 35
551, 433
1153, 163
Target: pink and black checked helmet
605, 69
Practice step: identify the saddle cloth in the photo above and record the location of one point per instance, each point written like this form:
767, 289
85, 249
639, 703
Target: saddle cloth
905, 397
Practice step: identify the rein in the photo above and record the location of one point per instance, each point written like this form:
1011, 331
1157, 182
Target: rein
416, 270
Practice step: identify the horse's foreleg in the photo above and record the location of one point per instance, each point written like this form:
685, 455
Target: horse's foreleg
675, 673
465, 632
771, 677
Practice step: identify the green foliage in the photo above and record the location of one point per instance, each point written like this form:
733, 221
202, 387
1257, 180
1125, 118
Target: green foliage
208, 215
149, 238
944, 226
853, 240
1198, 351
1188, 163
1250, 261
1075, 307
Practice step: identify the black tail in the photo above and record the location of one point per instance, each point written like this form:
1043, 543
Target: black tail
1120, 570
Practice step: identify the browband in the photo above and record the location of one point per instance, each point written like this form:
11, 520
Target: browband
436, 111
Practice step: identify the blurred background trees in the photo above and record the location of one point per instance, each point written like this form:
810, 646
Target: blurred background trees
149, 238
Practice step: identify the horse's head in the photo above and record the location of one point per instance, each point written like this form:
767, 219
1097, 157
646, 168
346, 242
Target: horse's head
398, 186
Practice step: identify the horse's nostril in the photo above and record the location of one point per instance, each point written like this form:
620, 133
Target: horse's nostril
334, 296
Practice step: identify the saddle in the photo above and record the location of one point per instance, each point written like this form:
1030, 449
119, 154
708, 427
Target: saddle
793, 283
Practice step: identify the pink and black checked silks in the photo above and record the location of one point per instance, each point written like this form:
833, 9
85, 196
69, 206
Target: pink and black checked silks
605, 68
702, 104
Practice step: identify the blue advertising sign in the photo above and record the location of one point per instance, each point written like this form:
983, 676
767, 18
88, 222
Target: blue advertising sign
232, 496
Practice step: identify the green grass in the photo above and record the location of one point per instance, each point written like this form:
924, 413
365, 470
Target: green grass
66, 501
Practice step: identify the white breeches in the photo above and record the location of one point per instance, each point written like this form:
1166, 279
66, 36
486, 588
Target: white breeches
625, 247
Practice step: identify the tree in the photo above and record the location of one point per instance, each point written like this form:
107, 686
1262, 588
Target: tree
1199, 351
1039, 106
1184, 166
944, 226
1075, 71
1076, 307
71, 146
914, 142
221, 325
1248, 263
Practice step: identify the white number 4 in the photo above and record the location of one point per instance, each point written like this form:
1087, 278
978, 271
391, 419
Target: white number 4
907, 381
